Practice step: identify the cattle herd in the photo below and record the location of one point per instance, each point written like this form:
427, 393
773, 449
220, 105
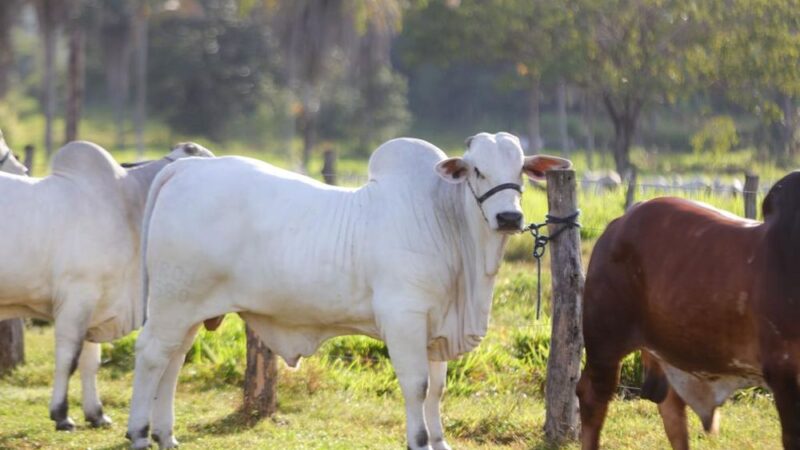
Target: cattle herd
410, 258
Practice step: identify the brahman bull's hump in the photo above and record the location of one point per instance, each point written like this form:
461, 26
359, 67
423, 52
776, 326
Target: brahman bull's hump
408, 157
85, 159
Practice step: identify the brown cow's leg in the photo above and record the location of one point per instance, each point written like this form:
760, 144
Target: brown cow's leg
673, 414
595, 389
783, 380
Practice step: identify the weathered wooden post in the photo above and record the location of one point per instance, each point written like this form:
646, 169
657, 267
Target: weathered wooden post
750, 195
29, 158
260, 379
329, 166
566, 341
12, 344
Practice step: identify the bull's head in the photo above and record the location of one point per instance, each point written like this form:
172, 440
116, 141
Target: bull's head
492, 167
186, 149
8, 162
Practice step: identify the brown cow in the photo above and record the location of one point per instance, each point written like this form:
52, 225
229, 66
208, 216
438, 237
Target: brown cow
715, 298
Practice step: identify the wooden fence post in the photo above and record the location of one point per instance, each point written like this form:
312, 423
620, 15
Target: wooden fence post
566, 341
12, 344
329, 167
29, 158
750, 195
260, 379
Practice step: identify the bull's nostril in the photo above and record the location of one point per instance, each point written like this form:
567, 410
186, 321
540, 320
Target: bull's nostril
509, 219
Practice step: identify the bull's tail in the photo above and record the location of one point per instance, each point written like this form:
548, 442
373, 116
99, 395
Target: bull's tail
152, 197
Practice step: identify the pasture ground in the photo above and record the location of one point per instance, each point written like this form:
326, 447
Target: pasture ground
346, 396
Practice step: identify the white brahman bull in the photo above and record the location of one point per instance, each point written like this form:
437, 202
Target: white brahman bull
409, 258
70, 253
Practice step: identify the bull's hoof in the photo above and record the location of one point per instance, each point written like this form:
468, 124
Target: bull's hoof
65, 425
167, 440
100, 421
140, 443
441, 445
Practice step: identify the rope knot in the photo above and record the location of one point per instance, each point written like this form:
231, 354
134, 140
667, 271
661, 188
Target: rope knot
540, 242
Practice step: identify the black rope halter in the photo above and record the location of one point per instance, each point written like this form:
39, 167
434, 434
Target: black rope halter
491, 192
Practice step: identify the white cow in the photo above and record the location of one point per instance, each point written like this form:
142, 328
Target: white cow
409, 258
70, 253
8, 162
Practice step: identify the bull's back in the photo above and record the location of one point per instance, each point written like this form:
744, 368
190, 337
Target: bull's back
268, 241
681, 273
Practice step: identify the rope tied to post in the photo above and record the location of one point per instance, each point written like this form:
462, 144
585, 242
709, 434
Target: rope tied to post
540, 242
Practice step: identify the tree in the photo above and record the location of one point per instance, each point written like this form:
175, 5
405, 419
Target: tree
639, 52
9, 11
50, 14
116, 34
538, 38
75, 68
317, 35
756, 49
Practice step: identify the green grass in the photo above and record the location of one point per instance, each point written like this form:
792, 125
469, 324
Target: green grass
346, 396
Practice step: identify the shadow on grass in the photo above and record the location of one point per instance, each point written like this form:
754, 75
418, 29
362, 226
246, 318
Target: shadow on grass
234, 422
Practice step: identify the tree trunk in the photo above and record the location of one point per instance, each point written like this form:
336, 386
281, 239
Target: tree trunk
75, 85
309, 127
622, 145
561, 99
141, 77
9, 10
50, 34
260, 380
789, 128
12, 344
534, 129
624, 119
588, 127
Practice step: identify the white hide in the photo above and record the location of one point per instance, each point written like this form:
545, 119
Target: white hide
407, 258
70, 246
8, 162
306, 258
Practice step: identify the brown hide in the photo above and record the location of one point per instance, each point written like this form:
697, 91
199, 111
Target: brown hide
708, 293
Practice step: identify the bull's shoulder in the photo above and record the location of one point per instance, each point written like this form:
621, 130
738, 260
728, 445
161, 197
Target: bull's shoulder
84, 160
405, 157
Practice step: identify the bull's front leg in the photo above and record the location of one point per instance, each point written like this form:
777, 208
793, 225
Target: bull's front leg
438, 380
88, 365
406, 336
70, 329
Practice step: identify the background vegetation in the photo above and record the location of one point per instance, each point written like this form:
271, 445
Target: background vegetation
674, 88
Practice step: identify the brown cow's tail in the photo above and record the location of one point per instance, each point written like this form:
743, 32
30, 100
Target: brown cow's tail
655, 386
152, 197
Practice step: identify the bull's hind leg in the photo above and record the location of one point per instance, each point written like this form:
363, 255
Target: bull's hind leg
437, 380
70, 329
159, 340
671, 406
673, 415
164, 406
595, 388
783, 378
88, 365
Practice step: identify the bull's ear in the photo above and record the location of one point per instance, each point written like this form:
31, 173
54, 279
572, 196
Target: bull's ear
453, 170
536, 166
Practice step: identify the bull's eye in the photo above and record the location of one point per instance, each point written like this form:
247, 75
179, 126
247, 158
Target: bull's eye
479, 174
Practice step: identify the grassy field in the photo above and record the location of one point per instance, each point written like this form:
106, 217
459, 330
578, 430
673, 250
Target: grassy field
346, 396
